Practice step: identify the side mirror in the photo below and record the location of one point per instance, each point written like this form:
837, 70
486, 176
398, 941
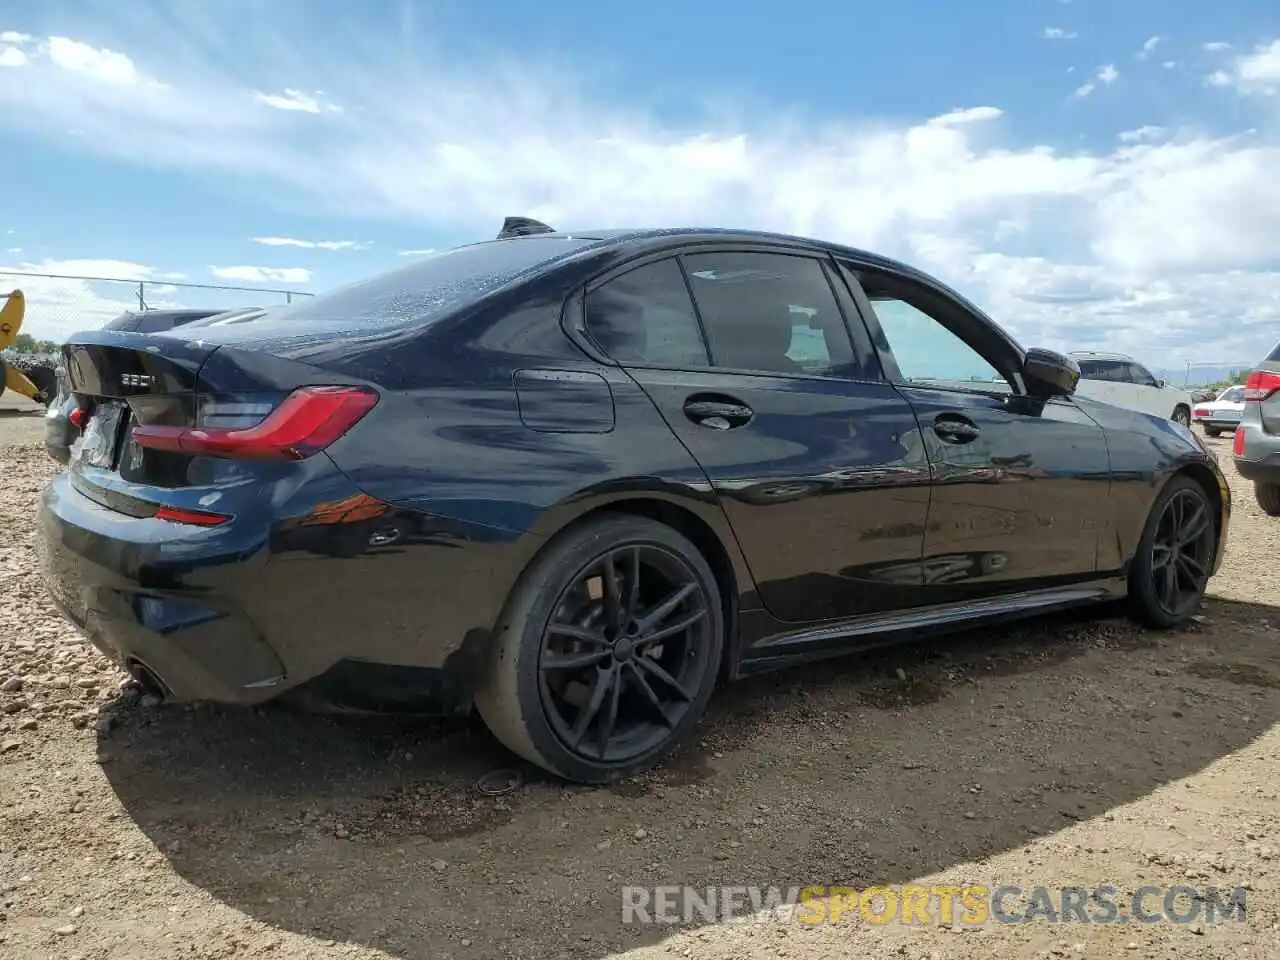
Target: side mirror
1049, 374
1162, 384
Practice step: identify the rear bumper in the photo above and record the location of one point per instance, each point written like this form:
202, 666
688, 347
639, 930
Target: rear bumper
157, 595
1259, 451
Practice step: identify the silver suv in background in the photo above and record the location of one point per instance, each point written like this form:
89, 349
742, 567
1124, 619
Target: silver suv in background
1118, 379
1256, 449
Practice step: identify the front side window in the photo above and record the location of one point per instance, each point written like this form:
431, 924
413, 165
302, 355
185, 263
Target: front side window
770, 312
646, 316
1140, 375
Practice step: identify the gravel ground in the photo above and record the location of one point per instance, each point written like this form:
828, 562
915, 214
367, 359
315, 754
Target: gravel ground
1065, 751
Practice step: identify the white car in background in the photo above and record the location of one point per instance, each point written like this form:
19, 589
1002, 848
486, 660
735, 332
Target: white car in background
1119, 379
1221, 414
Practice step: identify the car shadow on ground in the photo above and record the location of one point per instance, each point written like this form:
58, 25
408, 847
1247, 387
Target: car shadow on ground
878, 768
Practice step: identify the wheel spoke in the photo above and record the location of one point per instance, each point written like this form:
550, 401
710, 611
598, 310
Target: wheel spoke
612, 595
1195, 527
1192, 565
633, 584
1170, 578
574, 661
647, 693
655, 615
575, 632
653, 667
609, 719
671, 629
599, 688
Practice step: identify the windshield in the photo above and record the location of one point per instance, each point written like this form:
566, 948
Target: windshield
434, 286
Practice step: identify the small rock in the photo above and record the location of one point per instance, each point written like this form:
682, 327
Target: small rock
66, 930
640, 833
31, 723
439, 865
77, 911
901, 674
465, 942
11, 685
13, 706
1131, 945
10, 745
60, 683
340, 831
604, 844
87, 683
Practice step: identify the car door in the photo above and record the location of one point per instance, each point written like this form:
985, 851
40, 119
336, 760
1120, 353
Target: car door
1147, 395
1020, 487
817, 461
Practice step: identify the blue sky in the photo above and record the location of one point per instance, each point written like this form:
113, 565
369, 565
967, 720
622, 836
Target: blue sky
1096, 174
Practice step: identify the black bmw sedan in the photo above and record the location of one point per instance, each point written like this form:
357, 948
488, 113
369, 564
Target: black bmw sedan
578, 480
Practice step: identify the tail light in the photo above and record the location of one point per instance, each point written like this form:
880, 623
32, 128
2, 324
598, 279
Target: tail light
306, 422
1201, 413
1261, 384
1237, 444
196, 518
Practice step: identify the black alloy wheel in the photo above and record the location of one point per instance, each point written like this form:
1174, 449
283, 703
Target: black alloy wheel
625, 653
1171, 570
607, 652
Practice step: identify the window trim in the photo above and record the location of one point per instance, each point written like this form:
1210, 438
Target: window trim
968, 319
574, 318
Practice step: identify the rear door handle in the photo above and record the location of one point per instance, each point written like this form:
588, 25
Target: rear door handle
718, 414
955, 429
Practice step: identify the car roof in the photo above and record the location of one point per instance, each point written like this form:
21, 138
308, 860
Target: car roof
1100, 355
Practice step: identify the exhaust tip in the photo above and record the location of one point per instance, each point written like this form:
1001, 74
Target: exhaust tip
145, 677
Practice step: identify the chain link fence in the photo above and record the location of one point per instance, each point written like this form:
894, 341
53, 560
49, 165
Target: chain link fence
58, 306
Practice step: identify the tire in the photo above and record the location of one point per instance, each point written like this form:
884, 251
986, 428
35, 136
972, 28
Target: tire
1181, 415
1145, 599
519, 696
1212, 432
1268, 497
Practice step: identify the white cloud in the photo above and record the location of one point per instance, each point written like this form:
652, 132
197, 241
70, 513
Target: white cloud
309, 244
13, 36
1146, 242
103, 65
1085, 89
1148, 46
1143, 133
1169, 64
263, 274
965, 115
12, 57
295, 100
1215, 46
416, 253
1057, 33
1253, 73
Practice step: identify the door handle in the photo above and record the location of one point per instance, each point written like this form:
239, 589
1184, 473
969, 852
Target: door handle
718, 414
955, 429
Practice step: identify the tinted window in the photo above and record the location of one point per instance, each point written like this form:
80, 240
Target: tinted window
1139, 374
1111, 370
126, 321
646, 316
927, 350
434, 286
770, 312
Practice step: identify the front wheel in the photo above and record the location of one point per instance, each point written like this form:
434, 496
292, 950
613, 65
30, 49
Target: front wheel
1182, 415
1268, 497
607, 651
1170, 571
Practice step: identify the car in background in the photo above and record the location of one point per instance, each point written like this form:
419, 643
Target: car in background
60, 430
1222, 413
578, 480
1119, 379
1256, 447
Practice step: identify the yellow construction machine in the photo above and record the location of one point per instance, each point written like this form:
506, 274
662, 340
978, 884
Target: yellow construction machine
11, 314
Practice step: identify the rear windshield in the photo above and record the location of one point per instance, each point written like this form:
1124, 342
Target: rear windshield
1274, 355
431, 288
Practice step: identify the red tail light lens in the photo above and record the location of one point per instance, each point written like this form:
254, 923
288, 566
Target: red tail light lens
1261, 384
309, 419
195, 518
1237, 443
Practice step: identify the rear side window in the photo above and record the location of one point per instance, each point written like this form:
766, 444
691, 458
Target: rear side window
435, 286
770, 312
646, 316
1110, 370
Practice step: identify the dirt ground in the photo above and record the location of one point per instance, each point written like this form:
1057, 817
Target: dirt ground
1064, 751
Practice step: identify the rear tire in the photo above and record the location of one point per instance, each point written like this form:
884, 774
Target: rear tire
1268, 497
1181, 415
648, 694
1212, 432
1170, 569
